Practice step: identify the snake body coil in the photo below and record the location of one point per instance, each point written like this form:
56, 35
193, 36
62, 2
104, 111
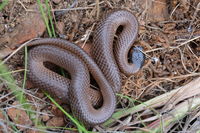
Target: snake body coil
108, 60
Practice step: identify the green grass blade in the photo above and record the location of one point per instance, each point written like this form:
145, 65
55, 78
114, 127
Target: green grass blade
44, 18
11, 83
25, 71
50, 17
28, 107
3, 4
79, 126
17, 91
51, 127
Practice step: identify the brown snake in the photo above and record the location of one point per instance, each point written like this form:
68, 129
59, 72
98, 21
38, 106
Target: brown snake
108, 60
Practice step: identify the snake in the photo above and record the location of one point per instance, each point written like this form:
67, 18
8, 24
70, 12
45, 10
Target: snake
108, 59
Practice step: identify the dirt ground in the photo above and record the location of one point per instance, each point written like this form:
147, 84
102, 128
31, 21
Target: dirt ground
169, 33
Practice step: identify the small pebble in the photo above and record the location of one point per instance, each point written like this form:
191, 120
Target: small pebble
154, 60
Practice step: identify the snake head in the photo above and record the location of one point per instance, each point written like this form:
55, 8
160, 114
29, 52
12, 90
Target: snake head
137, 56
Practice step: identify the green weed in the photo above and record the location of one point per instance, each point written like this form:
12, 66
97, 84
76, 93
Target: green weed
3, 4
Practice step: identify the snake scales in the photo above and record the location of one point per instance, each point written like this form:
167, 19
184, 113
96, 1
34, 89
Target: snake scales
105, 67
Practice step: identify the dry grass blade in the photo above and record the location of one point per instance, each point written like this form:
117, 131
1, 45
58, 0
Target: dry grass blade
190, 90
18, 49
168, 100
170, 118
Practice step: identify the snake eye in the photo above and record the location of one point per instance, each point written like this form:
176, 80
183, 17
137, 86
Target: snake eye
136, 56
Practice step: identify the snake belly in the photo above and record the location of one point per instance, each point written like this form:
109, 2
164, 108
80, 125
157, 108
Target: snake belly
105, 65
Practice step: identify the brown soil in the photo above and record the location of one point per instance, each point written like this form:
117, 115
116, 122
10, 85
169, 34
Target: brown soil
167, 32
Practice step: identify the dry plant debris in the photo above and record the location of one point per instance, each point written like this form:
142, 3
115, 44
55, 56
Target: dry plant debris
19, 116
169, 34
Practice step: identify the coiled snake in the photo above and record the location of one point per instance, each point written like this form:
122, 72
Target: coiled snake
105, 66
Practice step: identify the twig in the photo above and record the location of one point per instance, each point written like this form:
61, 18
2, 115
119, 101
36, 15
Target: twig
59, 13
19, 48
2, 125
97, 8
193, 87
72, 9
88, 35
195, 38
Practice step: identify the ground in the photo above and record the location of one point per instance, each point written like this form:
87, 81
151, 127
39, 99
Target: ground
169, 33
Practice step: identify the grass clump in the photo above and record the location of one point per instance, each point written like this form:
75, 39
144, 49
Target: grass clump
18, 92
3, 4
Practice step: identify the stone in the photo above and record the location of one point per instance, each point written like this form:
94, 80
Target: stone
56, 122
19, 116
31, 26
